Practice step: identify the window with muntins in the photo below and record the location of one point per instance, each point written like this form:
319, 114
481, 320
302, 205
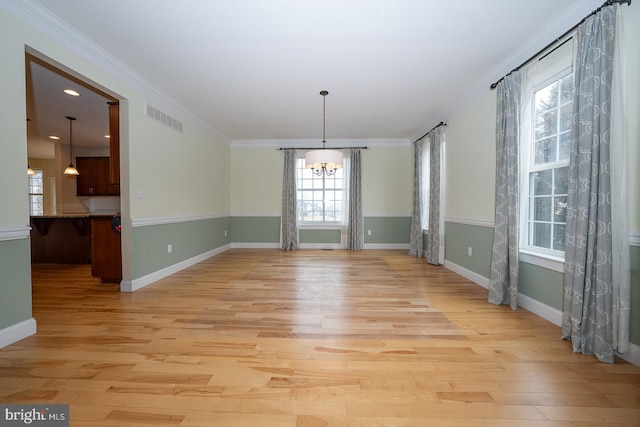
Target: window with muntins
548, 165
319, 198
36, 193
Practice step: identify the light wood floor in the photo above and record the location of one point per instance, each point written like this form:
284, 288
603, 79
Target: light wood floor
306, 338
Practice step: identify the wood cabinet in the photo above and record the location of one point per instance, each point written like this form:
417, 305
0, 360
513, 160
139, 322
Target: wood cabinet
106, 255
93, 177
113, 183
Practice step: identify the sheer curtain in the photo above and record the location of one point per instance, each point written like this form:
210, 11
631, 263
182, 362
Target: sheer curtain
416, 238
435, 235
595, 316
355, 226
288, 222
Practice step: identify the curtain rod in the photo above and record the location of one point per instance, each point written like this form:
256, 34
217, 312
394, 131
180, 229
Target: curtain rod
311, 148
566, 33
432, 129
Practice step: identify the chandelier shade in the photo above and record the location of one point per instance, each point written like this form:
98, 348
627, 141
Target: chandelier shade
323, 161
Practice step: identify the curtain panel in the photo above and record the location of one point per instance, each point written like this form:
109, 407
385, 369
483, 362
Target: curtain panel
503, 281
355, 224
416, 238
288, 223
435, 235
590, 294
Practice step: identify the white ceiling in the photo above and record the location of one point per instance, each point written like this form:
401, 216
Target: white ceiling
253, 69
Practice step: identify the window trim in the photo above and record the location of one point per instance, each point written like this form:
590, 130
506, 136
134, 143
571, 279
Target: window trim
321, 225
543, 257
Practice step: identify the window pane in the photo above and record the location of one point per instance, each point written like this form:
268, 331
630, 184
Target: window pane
558, 237
542, 235
566, 114
547, 98
561, 180
566, 89
560, 209
545, 151
546, 124
540, 183
563, 143
542, 209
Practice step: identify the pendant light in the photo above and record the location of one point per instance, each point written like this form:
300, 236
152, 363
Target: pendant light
323, 161
71, 170
30, 170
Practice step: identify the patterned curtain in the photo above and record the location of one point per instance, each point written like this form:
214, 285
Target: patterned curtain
288, 225
503, 281
416, 246
435, 238
355, 227
589, 291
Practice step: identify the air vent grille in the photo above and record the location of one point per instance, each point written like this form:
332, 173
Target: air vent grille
163, 118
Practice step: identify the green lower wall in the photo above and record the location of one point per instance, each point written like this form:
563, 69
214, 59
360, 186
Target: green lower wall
188, 239
255, 229
460, 237
15, 285
536, 282
387, 230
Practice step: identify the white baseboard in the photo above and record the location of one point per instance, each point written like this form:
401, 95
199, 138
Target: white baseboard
17, 332
386, 246
633, 356
467, 274
551, 314
126, 286
245, 245
548, 313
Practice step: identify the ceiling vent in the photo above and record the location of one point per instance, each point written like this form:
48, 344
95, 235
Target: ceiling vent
163, 118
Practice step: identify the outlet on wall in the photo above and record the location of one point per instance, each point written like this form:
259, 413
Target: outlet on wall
225, 233
469, 251
368, 232
169, 248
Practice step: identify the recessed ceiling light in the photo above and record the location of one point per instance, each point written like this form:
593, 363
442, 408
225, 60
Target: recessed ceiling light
71, 92
54, 137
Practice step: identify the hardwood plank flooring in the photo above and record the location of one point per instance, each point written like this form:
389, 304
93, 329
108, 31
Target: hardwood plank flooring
306, 338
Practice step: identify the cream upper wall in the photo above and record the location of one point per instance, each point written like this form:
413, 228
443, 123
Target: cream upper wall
387, 181
256, 180
183, 174
14, 210
470, 161
257, 190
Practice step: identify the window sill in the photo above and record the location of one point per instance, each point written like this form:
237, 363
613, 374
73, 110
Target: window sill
542, 260
319, 226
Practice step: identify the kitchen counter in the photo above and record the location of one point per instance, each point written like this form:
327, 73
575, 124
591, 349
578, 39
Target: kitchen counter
78, 238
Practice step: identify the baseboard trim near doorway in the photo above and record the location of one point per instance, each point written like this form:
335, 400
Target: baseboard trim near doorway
17, 332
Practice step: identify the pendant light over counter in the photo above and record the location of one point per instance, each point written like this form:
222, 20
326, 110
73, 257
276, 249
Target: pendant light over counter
71, 170
323, 161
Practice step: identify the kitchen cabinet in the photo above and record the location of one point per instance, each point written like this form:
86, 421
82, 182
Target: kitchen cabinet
106, 255
93, 177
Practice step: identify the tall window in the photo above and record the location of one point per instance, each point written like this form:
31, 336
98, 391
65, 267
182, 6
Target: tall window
36, 198
320, 198
549, 164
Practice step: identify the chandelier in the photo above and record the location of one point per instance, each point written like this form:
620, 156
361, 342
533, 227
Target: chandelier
323, 161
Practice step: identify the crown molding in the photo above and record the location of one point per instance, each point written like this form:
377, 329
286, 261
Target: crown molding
33, 14
315, 143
